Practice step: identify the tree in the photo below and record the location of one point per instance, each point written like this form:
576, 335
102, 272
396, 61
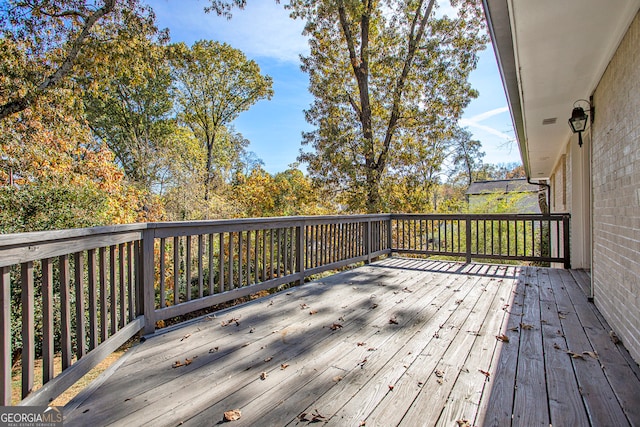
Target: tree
132, 113
215, 83
467, 157
55, 33
383, 74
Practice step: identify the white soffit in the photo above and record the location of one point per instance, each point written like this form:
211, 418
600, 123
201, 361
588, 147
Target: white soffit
562, 48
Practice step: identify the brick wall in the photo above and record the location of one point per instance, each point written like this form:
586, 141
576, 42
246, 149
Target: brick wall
616, 191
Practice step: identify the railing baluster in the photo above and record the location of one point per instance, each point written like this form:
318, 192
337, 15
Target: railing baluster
200, 266
163, 292
80, 330
93, 300
221, 263
231, 256
211, 265
47, 320
102, 276
112, 288
187, 269
123, 288
65, 312
176, 270
240, 261
131, 281
28, 324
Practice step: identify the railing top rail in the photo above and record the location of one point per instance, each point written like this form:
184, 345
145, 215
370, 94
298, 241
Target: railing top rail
553, 216
35, 237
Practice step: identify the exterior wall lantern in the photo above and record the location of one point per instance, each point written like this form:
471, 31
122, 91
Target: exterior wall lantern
579, 119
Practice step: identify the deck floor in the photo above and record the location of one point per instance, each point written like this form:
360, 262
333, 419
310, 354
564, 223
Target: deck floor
397, 342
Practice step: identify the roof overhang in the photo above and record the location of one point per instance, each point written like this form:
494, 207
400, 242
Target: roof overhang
551, 53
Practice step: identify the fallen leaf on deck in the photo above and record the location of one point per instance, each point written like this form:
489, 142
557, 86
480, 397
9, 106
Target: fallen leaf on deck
230, 322
514, 329
187, 361
303, 417
371, 349
363, 362
233, 415
337, 379
185, 337
463, 423
502, 338
440, 381
439, 373
263, 376
390, 387
284, 366
177, 364
312, 312
574, 355
407, 290
213, 350
593, 354
268, 359
614, 337
525, 326
335, 326
315, 416
393, 320
360, 344
374, 306
362, 423
556, 346
303, 306
436, 334
485, 373
504, 307
459, 301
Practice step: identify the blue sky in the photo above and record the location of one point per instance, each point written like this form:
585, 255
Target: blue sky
266, 34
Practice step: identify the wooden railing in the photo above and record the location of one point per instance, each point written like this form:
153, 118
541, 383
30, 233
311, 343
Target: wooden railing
78, 295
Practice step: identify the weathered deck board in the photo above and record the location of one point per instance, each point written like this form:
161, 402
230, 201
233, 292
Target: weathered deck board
422, 370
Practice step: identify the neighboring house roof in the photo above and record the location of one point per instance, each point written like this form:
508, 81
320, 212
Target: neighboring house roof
550, 54
518, 185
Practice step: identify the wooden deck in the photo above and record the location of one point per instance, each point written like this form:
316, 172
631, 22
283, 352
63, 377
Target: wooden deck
397, 342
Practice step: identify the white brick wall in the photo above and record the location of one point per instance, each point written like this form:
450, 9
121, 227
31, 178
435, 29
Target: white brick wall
616, 191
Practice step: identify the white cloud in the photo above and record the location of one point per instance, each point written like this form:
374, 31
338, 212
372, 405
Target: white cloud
262, 29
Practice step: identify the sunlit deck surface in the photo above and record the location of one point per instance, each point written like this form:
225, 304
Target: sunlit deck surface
396, 342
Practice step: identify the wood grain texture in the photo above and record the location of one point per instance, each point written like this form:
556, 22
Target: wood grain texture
391, 378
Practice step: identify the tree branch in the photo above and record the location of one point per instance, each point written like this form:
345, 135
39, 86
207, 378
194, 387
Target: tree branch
19, 104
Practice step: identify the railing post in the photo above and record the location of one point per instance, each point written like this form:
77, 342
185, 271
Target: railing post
565, 242
300, 244
468, 239
5, 334
367, 240
389, 234
147, 291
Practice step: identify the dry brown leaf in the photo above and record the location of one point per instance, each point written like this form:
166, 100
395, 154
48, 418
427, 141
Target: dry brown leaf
263, 376
185, 337
393, 320
390, 387
284, 366
592, 354
502, 338
177, 364
485, 373
514, 329
337, 379
556, 346
362, 423
230, 322
303, 417
315, 416
374, 306
463, 423
360, 344
459, 301
407, 290
213, 350
233, 415
312, 312
614, 337
268, 359
439, 373
526, 327
187, 362
335, 326
574, 355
